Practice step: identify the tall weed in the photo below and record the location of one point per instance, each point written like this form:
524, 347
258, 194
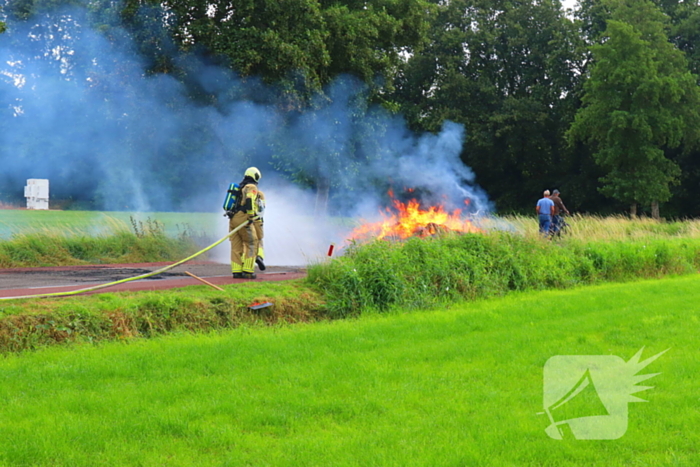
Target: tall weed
43, 249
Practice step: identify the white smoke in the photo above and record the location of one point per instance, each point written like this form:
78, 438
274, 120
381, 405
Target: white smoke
294, 236
117, 135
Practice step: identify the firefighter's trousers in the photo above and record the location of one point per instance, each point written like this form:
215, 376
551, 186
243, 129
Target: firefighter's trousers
244, 244
258, 225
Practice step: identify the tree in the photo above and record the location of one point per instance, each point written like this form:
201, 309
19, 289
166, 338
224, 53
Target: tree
325, 147
639, 101
278, 56
685, 33
302, 45
506, 70
2, 23
299, 46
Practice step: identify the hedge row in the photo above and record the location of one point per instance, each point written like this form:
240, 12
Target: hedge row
422, 272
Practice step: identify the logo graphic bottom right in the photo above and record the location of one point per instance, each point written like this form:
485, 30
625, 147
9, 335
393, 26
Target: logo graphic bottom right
586, 396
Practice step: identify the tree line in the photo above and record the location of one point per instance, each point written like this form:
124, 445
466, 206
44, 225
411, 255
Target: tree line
600, 102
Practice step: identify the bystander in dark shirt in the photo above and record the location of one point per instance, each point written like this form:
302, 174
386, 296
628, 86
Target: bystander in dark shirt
558, 204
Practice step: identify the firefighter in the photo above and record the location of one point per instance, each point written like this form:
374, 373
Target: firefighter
245, 243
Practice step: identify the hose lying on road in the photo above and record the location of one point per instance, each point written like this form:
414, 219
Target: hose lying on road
142, 276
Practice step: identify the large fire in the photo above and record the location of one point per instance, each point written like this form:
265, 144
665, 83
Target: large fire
404, 220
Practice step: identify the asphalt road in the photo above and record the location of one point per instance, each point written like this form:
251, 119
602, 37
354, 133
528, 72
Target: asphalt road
37, 281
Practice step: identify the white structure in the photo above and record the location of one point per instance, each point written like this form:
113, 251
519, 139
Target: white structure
37, 193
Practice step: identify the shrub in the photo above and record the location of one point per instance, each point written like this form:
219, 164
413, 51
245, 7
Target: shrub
427, 271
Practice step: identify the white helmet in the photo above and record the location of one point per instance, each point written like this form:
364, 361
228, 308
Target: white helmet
253, 173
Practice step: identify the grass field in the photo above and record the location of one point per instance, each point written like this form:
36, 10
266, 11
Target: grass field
61, 238
454, 387
13, 222
611, 228
16, 221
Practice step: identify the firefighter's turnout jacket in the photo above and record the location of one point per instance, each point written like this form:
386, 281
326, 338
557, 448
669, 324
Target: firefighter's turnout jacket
245, 242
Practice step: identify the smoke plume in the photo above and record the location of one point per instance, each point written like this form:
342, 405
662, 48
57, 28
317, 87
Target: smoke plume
81, 110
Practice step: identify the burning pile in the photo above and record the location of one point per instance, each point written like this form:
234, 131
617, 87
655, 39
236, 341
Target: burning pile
410, 220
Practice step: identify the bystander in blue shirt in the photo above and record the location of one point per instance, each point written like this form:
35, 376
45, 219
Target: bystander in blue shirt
545, 210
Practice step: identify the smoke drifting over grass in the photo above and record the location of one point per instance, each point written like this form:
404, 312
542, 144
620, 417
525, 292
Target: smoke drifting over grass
293, 235
81, 110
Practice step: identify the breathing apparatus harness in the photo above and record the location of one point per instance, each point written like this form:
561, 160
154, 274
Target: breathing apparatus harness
240, 204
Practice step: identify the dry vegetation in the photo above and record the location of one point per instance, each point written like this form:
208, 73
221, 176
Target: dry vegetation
598, 228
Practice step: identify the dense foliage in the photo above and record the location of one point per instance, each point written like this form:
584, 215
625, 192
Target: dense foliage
640, 99
600, 102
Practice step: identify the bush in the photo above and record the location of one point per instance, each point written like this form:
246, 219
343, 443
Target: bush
428, 271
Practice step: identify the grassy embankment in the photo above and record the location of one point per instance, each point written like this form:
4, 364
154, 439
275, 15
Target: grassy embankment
419, 273
460, 386
380, 276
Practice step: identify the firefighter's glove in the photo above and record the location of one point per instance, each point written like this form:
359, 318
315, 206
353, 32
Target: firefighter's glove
229, 214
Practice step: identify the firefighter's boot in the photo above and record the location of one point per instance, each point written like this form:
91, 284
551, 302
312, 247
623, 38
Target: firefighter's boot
259, 259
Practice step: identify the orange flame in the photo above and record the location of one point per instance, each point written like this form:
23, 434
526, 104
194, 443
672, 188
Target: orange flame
409, 220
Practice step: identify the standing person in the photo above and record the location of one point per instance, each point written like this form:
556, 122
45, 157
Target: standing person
559, 208
545, 210
244, 243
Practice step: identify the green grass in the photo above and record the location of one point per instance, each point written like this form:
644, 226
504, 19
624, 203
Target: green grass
443, 388
32, 324
92, 223
379, 276
424, 272
48, 238
32, 250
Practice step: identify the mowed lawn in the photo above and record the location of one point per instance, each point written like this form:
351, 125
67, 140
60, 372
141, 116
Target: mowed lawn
454, 387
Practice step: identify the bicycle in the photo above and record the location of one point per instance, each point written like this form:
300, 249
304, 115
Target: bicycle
560, 228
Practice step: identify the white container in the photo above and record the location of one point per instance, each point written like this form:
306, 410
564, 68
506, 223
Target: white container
37, 193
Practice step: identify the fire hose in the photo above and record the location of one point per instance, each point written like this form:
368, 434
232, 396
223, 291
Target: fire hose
129, 279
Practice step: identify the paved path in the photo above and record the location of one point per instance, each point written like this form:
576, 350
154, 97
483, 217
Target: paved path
36, 281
